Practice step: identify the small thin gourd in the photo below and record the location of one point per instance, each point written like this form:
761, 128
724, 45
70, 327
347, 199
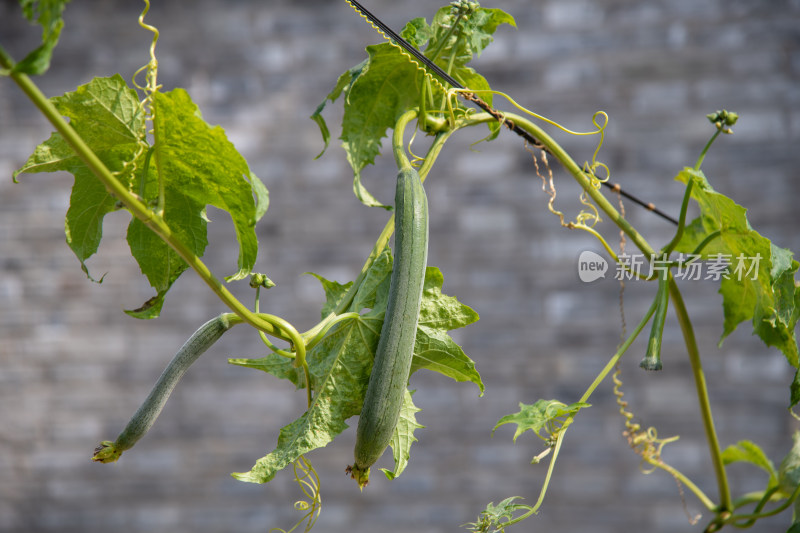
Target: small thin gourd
200, 341
652, 358
389, 378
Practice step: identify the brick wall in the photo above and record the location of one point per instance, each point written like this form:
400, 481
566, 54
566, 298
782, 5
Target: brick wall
73, 367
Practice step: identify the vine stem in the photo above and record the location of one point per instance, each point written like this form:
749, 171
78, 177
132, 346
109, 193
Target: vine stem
680, 308
702, 396
586, 395
398, 147
572, 167
270, 324
705, 150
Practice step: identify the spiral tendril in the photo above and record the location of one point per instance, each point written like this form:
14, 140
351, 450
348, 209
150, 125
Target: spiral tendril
308, 480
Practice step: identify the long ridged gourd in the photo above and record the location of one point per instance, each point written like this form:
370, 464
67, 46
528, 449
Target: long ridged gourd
389, 378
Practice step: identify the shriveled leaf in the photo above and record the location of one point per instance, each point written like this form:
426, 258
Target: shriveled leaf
403, 436
544, 414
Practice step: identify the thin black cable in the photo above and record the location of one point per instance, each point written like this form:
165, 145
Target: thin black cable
419, 56
406, 45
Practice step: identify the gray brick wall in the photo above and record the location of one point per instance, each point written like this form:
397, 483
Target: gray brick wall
73, 367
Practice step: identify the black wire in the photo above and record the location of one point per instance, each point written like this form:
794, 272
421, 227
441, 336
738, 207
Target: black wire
419, 56
406, 45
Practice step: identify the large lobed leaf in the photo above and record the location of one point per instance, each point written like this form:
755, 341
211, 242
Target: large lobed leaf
196, 162
763, 291
341, 363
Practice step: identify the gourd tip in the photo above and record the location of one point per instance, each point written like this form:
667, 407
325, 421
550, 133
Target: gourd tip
106, 452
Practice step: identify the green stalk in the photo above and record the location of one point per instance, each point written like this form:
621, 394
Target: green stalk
397, 139
726, 504
687, 196
586, 395
267, 323
447, 36
710, 237
681, 220
705, 150
603, 204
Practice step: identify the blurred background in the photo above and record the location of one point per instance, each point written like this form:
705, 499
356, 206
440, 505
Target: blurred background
74, 367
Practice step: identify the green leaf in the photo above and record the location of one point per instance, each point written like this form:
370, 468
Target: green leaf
339, 367
341, 363
749, 452
48, 15
345, 81
261, 196
387, 86
490, 518
277, 365
106, 114
789, 471
476, 34
434, 349
759, 285
334, 293
198, 161
197, 164
543, 414
157, 260
417, 32
789, 476
403, 436
381, 88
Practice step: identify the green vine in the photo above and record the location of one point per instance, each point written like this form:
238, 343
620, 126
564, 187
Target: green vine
333, 358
